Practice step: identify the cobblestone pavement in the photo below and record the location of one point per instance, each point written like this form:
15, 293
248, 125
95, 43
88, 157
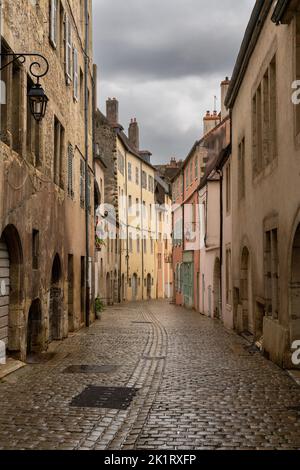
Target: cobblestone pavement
199, 387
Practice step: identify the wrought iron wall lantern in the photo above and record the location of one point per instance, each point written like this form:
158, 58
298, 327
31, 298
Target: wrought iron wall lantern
37, 97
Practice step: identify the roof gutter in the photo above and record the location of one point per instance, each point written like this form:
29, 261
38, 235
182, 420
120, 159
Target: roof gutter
279, 11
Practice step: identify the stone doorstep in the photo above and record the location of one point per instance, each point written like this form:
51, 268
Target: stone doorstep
11, 366
295, 375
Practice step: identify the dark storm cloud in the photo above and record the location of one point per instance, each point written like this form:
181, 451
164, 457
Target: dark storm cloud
163, 59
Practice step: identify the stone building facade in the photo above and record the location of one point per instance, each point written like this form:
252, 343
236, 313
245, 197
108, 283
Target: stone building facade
265, 179
45, 292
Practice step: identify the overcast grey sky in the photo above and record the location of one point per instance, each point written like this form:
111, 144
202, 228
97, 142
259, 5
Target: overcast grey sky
164, 60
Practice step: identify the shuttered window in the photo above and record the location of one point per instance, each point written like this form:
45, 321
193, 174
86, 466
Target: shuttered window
53, 22
82, 183
68, 45
70, 170
75, 74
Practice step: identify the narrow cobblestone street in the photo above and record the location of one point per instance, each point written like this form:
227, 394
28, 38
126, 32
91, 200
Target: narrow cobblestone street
199, 387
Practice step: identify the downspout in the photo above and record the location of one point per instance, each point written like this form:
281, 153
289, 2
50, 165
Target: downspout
127, 218
87, 195
142, 230
221, 234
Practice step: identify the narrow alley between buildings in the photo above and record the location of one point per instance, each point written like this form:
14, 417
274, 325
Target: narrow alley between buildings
150, 375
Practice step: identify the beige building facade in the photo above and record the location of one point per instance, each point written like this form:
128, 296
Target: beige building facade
265, 180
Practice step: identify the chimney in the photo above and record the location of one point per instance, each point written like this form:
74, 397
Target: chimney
210, 121
134, 134
112, 111
146, 155
224, 89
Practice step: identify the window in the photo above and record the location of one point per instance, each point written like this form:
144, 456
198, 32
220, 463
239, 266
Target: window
159, 261
196, 168
130, 243
68, 48
144, 210
35, 249
137, 178
75, 74
121, 163
53, 22
151, 184
144, 180
137, 205
59, 134
129, 203
138, 244
228, 188
70, 170
272, 273
89, 199
129, 171
82, 183
264, 120
228, 277
152, 246
145, 245
241, 169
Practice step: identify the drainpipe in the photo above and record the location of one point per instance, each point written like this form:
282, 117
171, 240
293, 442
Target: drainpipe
127, 216
221, 235
142, 230
87, 195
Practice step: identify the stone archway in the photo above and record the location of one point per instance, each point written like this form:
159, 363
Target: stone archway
217, 289
11, 295
246, 292
294, 291
55, 311
149, 286
134, 287
115, 288
35, 328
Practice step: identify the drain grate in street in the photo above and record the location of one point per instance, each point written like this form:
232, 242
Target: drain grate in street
90, 369
154, 358
115, 398
142, 322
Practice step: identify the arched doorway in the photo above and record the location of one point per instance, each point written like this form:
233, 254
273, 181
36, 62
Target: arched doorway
55, 313
217, 289
246, 292
11, 298
149, 286
108, 289
116, 296
34, 328
134, 287
295, 288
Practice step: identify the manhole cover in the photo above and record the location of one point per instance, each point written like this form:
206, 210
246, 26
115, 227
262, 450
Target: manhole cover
89, 369
115, 398
40, 358
153, 358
